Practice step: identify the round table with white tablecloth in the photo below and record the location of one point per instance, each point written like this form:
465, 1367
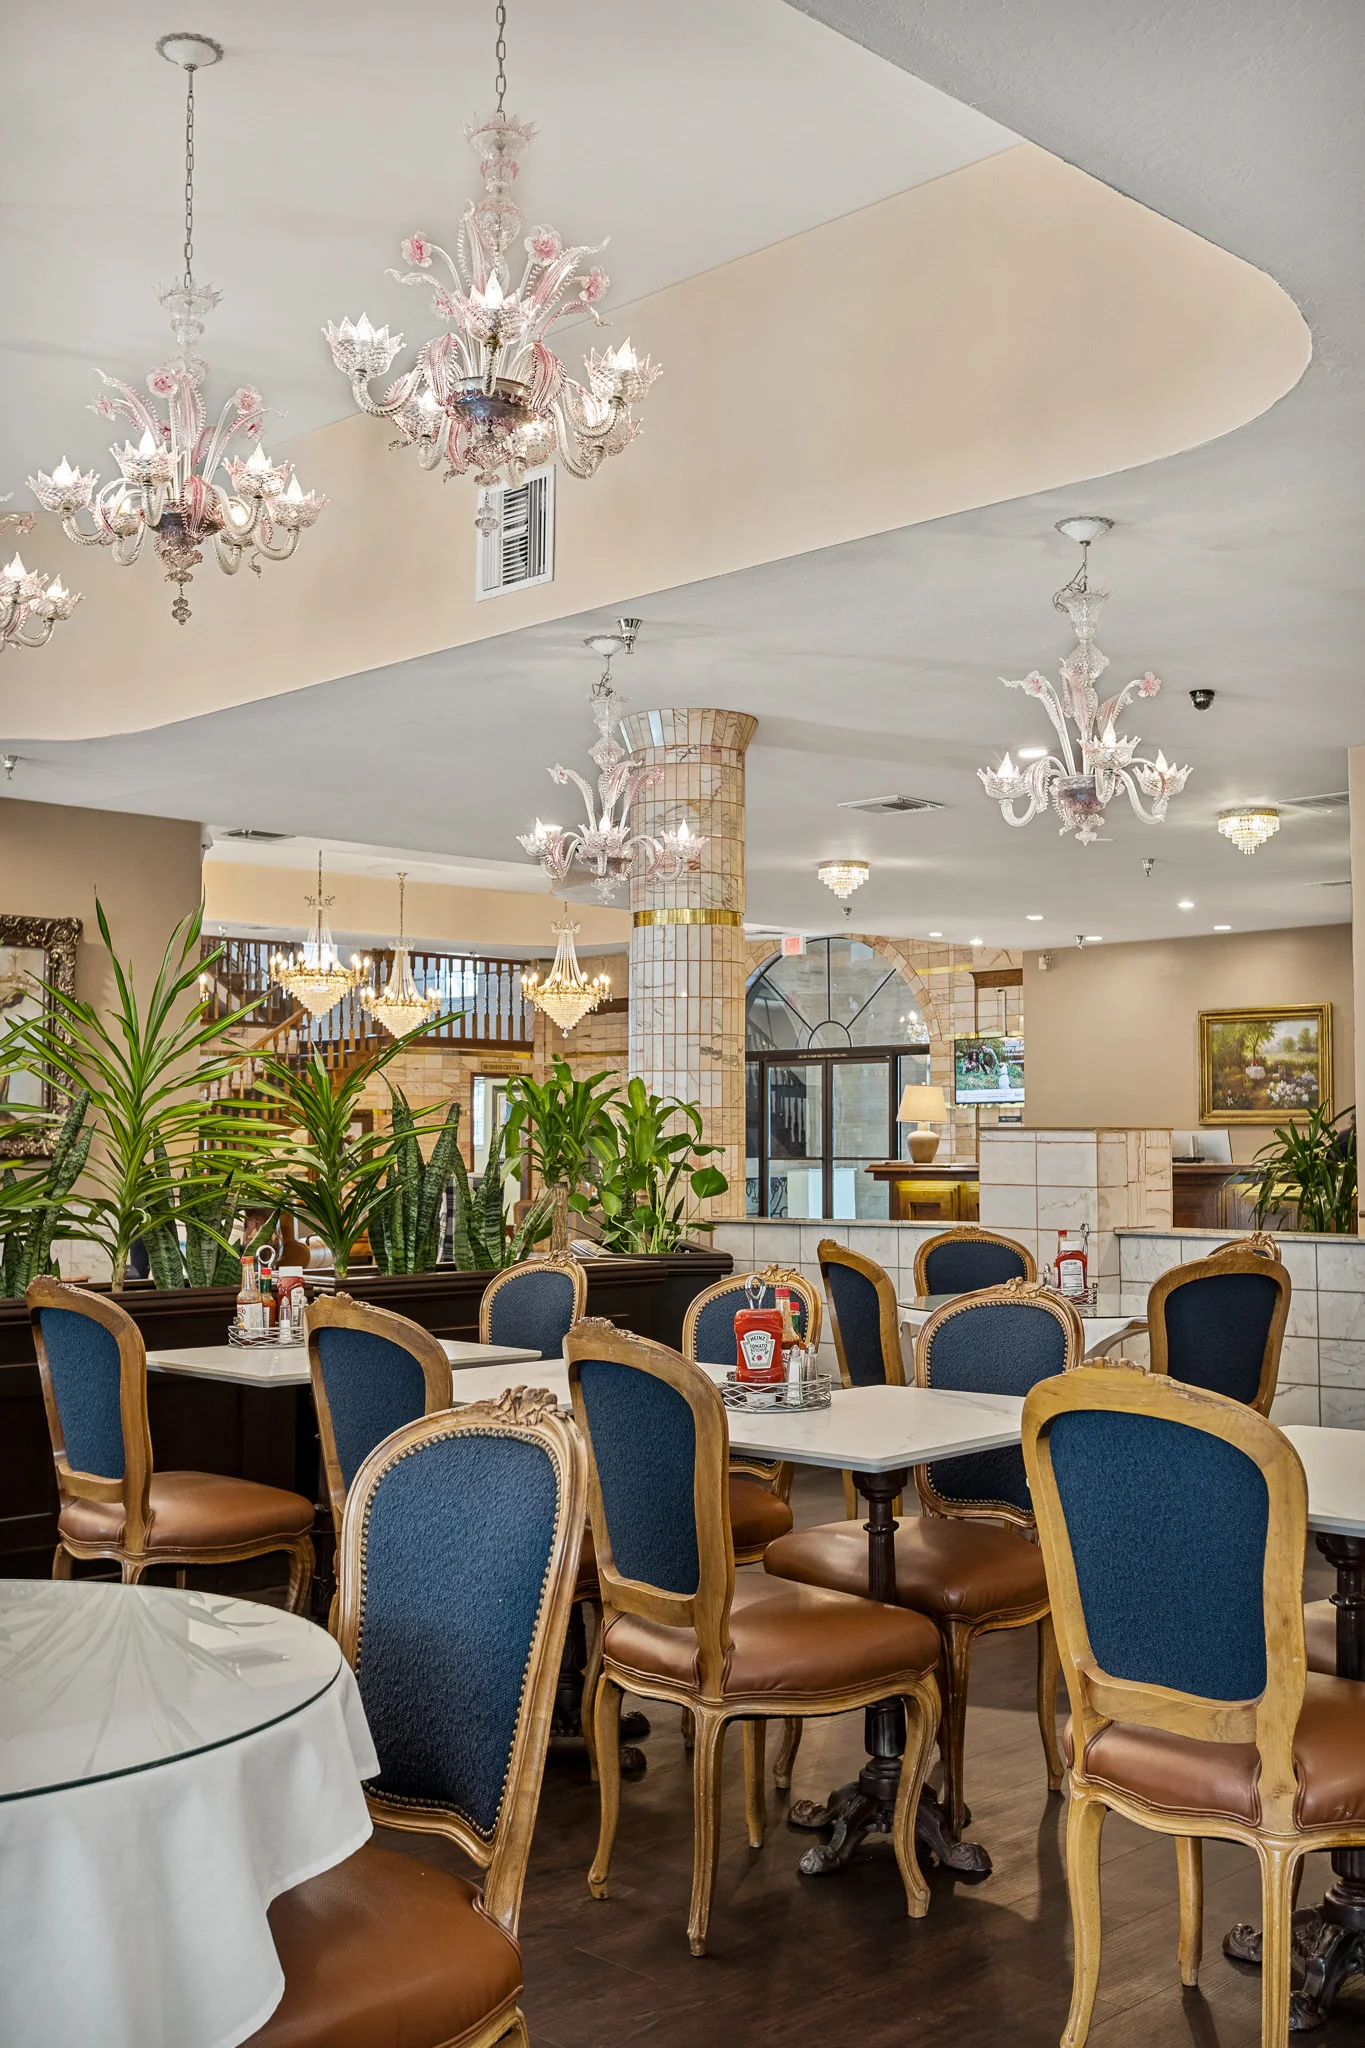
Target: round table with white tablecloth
170, 1762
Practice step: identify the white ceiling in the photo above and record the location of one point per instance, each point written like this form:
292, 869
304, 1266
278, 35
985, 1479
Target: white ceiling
688, 134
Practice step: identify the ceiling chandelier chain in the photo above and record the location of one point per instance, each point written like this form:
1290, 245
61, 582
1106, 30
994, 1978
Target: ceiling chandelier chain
566, 995
168, 484
398, 1005
30, 605
489, 396
1081, 779
605, 845
500, 54
315, 976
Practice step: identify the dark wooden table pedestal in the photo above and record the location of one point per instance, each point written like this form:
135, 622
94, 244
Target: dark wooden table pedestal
868, 1805
1329, 1940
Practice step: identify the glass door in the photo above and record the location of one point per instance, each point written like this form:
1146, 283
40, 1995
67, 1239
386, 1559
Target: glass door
796, 1131
861, 1132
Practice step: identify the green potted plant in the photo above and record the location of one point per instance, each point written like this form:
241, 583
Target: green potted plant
36, 1204
646, 1165
1307, 1173
551, 1126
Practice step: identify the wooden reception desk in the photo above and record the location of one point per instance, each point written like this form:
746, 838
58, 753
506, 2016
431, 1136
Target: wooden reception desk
947, 1193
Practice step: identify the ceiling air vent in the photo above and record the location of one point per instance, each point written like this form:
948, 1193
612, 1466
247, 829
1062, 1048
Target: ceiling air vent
1318, 806
520, 549
890, 803
249, 832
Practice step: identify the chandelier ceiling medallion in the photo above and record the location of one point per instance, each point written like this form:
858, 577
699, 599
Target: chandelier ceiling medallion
1249, 825
398, 1006
30, 605
315, 976
605, 845
842, 877
489, 395
168, 484
566, 995
1079, 790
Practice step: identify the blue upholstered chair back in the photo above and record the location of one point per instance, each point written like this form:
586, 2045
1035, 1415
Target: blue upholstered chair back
458, 1538
959, 1265
372, 1386
533, 1309
1216, 1330
713, 1336
1167, 1526
644, 1445
991, 1347
857, 1310
85, 1369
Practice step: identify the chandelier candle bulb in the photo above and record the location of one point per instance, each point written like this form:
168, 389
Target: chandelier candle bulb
30, 605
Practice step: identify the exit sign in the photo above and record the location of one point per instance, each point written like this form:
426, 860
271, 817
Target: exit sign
792, 944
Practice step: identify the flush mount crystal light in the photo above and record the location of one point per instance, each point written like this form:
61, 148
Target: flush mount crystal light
30, 605
1084, 777
167, 484
842, 877
489, 396
566, 995
1249, 825
398, 1006
315, 976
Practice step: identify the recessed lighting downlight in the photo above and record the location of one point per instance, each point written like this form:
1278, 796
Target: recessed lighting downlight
1033, 916
936, 935
1185, 903
1222, 927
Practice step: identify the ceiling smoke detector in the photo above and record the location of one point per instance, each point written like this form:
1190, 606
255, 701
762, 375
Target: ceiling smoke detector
890, 803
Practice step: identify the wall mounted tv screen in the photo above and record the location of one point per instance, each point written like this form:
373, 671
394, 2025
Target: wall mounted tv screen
988, 1068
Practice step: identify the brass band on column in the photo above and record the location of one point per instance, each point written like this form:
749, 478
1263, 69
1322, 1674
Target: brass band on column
674, 915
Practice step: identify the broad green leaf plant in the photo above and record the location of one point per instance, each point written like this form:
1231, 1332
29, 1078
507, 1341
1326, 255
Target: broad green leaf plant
1305, 1176
551, 1126
645, 1159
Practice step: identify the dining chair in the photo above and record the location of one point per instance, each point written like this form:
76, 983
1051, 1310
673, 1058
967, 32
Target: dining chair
113, 1503
372, 1371
458, 1559
1173, 1524
967, 1559
968, 1257
680, 1626
534, 1304
1219, 1323
1260, 1241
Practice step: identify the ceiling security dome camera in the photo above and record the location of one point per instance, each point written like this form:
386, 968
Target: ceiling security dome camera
1201, 699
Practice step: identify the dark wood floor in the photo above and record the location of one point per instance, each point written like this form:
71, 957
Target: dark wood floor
835, 1961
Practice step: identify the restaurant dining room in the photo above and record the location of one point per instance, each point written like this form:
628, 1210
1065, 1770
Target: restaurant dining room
682, 1304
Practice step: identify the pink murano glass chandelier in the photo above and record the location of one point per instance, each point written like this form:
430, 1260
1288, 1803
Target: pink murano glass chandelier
1083, 777
489, 397
168, 484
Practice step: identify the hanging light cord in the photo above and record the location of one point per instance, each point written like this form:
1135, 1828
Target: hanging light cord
500, 52
189, 177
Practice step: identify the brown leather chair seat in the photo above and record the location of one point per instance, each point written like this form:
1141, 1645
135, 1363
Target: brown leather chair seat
1179, 1774
1320, 1635
943, 1567
786, 1638
387, 1952
195, 1510
757, 1516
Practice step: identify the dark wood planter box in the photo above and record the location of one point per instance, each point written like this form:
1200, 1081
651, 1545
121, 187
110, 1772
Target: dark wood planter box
268, 1433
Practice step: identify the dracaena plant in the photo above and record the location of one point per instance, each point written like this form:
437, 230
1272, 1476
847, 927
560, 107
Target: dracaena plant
647, 1164
1305, 1176
551, 1126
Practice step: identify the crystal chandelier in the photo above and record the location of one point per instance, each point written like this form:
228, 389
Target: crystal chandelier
167, 483
30, 606
315, 976
566, 995
1249, 825
842, 877
1079, 792
489, 395
398, 1006
605, 844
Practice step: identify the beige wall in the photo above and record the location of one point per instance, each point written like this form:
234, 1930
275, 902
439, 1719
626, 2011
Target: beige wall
55, 860
1112, 1031
1356, 758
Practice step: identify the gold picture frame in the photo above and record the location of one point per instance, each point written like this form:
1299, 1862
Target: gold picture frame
37, 954
1268, 1065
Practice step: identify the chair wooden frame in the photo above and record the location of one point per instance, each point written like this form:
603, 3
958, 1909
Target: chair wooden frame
1098, 1698
969, 1233
831, 1253
707, 1613
341, 1312
1229, 1259
550, 1262
133, 1490
1259, 1241
776, 1474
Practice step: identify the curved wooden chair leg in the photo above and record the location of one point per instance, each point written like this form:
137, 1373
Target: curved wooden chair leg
755, 1800
786, 1755
592, 1676
1084, 1823
516, 2031
1278, 1865
707, 1756
300, 1574
952, 1732
607, 1729
1189, 1865
1049, 1672
133, 1570
921, 1726
63, 1563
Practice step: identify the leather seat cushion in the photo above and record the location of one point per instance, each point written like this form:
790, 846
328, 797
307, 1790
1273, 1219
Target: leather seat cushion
1320, 1635
1180, 1775
757, 1516
785, 1639
386, 1952
944, 1567
195, 1511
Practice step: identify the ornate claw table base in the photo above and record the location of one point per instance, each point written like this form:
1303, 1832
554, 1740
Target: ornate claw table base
1329, 1940
867, 1806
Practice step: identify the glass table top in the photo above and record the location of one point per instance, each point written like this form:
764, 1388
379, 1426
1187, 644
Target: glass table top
99, 1679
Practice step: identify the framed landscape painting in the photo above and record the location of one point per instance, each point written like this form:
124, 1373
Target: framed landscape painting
1264, 1066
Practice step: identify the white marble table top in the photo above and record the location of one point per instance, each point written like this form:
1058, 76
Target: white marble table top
268, 1365
1100, 1330
1334, 1462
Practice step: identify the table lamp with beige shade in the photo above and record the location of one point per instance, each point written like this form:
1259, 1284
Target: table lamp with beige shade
921, 1105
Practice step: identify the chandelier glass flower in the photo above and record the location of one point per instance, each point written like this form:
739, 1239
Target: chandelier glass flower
566, 995
1249, 825
30, 605
605, 845
315, 976
489, 395
1080, 780
168, 483
398, 1006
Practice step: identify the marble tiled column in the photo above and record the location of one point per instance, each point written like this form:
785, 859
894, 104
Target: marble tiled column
687, 945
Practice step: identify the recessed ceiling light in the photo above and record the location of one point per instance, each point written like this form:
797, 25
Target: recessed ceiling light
1185, 904
978, 942
1093, 939
936, 935
1222, 927
1034, 916
1031, 753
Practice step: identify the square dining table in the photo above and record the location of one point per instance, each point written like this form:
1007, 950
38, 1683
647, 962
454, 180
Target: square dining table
1103, 1326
